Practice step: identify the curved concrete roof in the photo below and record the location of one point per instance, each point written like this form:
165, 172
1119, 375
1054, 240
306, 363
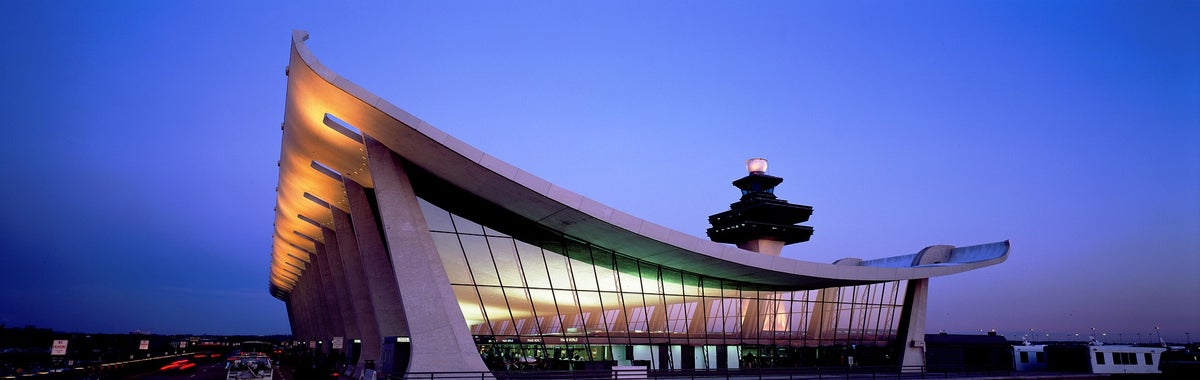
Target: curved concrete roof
317, 147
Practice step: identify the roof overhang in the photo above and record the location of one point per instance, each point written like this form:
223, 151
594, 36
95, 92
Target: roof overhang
325, 115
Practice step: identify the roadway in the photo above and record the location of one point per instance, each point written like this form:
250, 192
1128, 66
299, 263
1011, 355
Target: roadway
206, 371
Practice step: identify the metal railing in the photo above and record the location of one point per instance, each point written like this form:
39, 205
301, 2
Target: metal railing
106, 370
858, 373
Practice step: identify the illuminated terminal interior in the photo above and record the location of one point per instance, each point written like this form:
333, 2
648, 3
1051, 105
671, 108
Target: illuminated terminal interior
561, 297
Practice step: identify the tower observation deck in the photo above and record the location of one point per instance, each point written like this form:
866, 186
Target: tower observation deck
760, 221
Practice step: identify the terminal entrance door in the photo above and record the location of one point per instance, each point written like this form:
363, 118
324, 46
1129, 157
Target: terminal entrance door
396, 352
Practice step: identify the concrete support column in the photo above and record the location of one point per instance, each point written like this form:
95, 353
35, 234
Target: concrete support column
441, 340
300, 297
771, 315
356, 285
333, 311
699, 318
291, 314
657, 320
333, 260
310, 321
312, 304
298, 308
377, 268
752, 321
306, 292
821, 323
322, 312
618, 321
912, 325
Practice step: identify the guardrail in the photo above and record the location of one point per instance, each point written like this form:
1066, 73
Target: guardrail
110, 370
858, 373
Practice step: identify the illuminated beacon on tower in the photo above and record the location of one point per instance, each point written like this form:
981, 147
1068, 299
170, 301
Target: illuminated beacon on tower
760, 221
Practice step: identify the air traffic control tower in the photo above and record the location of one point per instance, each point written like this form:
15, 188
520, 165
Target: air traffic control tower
760, 221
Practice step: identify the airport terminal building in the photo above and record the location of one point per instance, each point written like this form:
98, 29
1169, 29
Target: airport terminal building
398, 244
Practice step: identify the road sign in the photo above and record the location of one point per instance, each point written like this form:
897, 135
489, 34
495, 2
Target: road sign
59, 347
144, 345
337, 342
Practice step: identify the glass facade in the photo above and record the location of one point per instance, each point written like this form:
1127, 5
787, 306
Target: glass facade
554, 298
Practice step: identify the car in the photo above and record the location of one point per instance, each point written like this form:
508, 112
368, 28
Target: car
182, 365
206, 357
250, 366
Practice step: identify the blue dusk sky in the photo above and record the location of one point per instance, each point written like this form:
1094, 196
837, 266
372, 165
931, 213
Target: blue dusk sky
141, 139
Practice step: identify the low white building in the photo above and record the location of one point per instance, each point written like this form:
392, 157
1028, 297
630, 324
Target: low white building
1125, 359
1029, 357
